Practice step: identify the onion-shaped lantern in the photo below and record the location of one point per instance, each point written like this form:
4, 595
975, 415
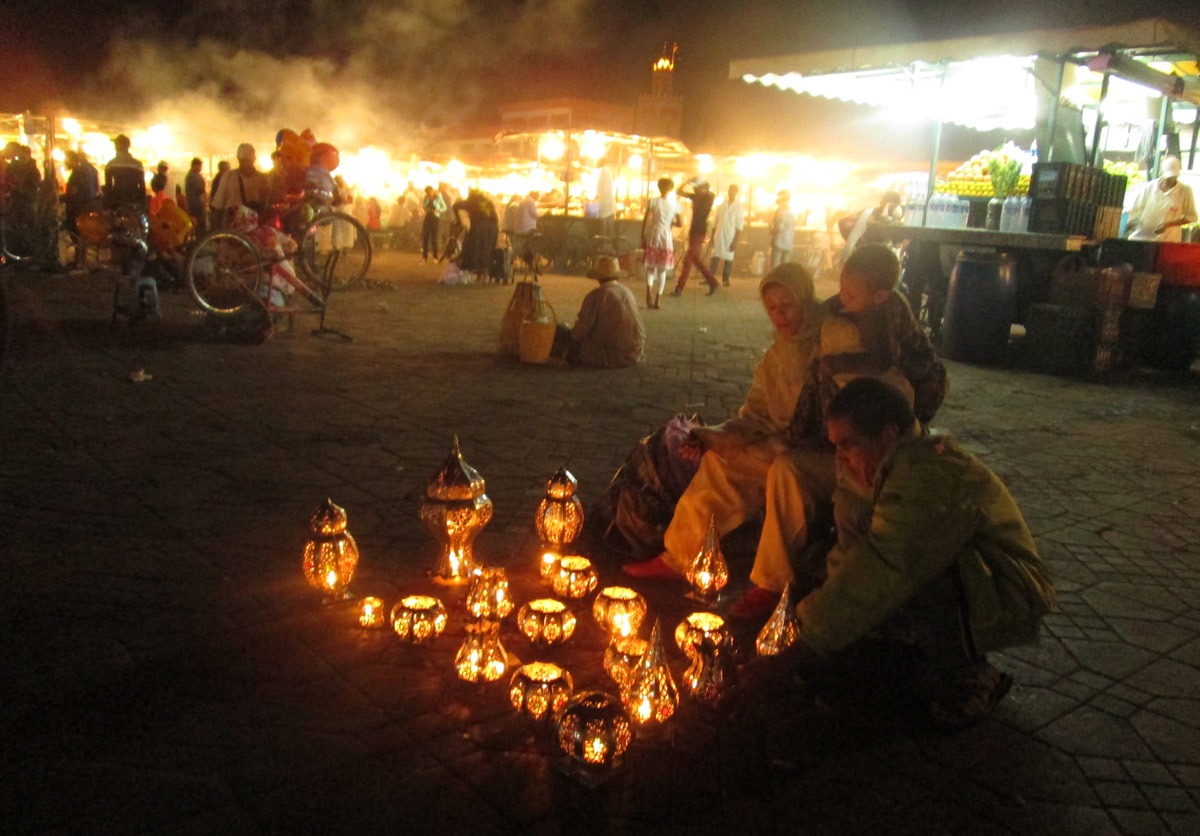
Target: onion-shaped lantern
419, 619
619, 610
546, 622
782, 628
622, 657
481, 656
539, 689
487, 593
699, 626
560, 514
575, 577
330, 553
651, 695
455, 510
708, 572
594, 731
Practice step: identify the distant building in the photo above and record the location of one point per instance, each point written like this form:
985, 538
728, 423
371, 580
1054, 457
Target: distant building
660, 112
564, 115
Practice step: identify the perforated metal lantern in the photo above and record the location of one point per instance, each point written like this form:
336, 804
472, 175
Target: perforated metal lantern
546, 622
419, 619
560, 514
619, 610
481, 657
704, 680
370, 613
651, 695
782, 628
622, 657
539, 689
575, 578
548, 564
455, 510
487, 593
593, 730
699, 626
330, 553
708, 572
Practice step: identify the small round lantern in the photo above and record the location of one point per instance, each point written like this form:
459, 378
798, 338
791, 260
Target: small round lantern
651, 695
330, 554
560, 514
370, 613
704, 679
782, 628
455, 510
539, 689
487, 594
575, 577
594, 731
546, 622
708, 572
622, 656
699, 626
619, 610
481, 656
548, 565
419, 619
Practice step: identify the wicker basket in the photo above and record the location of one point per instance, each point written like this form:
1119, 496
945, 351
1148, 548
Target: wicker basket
522, 307
537, 334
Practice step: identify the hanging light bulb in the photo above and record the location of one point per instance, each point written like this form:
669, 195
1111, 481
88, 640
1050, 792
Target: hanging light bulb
782, 628
651, 695
455, 510
708, 572
330, 554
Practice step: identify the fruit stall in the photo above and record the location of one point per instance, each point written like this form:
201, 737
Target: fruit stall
1088, 114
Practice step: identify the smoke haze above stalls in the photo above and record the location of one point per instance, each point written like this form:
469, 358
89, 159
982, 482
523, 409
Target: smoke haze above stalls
392, 72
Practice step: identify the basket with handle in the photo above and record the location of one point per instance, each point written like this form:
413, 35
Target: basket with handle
537, 334
522, 306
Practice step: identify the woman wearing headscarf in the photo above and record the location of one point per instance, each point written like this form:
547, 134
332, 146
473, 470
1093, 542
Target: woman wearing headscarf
735, 456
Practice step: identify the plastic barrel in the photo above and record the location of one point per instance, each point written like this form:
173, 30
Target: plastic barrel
1174, 333
980, 305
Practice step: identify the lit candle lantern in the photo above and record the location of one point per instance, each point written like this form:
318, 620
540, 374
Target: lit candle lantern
708, 572
594, 731
370, 613
548, 565
651, 696
704, 679
699, 626
419, 619
330, 554
487, 594
619, 610
539, 689
546, 622
575, 577
622, 656
455, 510
481, 656
560, 514
782, 628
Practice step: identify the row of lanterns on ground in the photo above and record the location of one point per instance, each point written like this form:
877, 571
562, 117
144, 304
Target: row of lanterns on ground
593, 728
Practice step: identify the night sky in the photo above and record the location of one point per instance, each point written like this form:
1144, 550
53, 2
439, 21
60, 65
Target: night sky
430, 63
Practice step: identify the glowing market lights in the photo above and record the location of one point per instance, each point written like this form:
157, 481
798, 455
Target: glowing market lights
635, 161
553, 147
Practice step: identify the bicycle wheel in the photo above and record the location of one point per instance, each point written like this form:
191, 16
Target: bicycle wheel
224, 272
334, 251
19, 236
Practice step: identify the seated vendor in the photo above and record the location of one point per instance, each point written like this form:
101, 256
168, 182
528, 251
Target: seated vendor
608, 332
946, 566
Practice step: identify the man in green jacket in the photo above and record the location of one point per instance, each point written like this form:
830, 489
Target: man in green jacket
946, 565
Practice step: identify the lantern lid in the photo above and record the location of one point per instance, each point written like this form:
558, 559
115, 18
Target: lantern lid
456, 480
329, 519
562, 485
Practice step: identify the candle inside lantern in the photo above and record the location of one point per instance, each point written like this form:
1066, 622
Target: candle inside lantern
619, 610
622, 656
594, 730
575, 577
548, 564
370, 613
650, 693
419, 619
481, 655
330, 553
539, 689
546, 622
698, 626
708, 572
487, 594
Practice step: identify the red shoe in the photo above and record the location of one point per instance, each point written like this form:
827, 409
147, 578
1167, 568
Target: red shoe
654, 568
755, 605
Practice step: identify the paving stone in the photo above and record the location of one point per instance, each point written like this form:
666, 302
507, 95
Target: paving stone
1139, 822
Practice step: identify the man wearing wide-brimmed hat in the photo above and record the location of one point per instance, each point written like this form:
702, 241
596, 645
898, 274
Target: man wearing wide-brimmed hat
608, 332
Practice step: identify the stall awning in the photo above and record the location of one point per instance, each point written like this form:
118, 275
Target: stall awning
980, 82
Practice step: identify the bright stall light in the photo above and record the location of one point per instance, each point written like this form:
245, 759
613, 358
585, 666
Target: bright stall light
70, 126
635, 161
159, 136
593, 145
553, 147
705, 163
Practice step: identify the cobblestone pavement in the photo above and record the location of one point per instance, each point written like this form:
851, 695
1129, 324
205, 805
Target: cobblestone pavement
166, 669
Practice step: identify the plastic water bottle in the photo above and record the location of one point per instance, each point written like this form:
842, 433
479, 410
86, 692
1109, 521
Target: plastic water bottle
1023, 214
1007, 214
964, 210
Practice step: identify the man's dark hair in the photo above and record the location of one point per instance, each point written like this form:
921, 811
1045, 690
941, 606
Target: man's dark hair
876, 265
871, 405
196, 161
665, 184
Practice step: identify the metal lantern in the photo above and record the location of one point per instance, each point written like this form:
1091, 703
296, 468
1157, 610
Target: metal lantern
651, 696
481, 656
487, 594
708, 572
594, 731
575, 577
623, 656
704, 679
455, 510
782, 629
546, 622
619, 610
330, 553
419, 619
699, 626
560, 514
539, 689
548, 565
370, 613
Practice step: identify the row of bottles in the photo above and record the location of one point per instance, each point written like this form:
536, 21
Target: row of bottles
1014, 216
949, 211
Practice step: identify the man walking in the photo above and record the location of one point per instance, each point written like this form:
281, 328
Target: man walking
702, 202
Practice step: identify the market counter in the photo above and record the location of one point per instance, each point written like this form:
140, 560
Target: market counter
976, 237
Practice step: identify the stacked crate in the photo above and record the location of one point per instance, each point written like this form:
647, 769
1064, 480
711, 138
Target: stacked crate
1115, 299
1073, 199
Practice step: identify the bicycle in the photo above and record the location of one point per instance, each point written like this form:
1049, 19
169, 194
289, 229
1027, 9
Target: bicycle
331, 246
31, 234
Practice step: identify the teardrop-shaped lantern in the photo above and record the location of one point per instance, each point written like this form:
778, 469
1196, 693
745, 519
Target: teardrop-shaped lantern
651, 695
708, 572
782, 628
